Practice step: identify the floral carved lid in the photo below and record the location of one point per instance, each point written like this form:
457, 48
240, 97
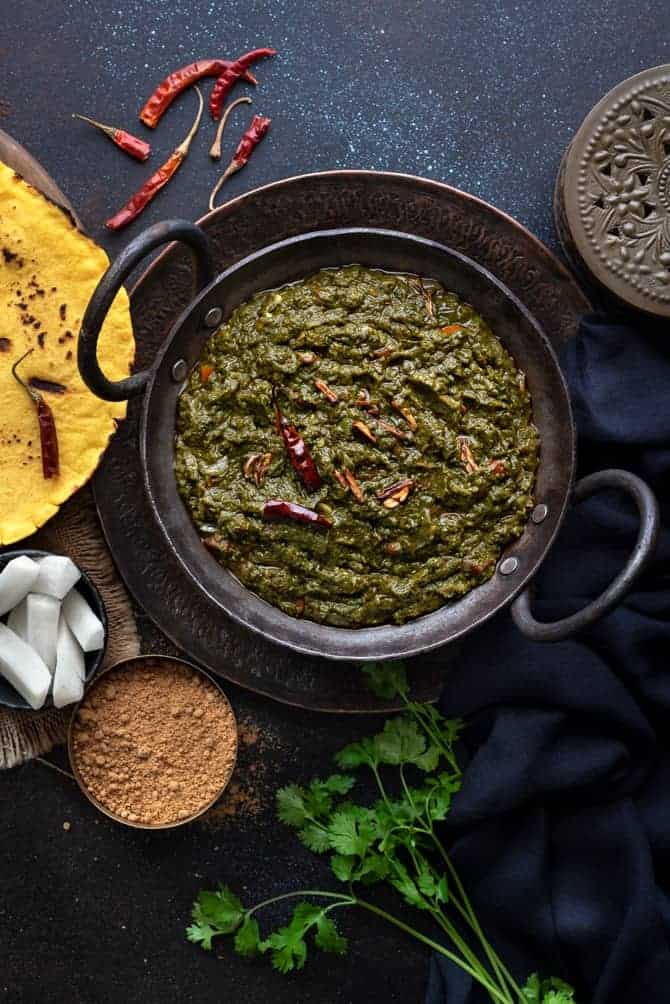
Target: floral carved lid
613, 192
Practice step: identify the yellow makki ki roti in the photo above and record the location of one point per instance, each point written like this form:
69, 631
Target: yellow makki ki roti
48, 270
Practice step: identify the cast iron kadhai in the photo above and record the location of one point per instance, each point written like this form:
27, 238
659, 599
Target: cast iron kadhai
296, 258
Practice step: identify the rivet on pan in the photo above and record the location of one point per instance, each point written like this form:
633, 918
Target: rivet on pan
213, 317
539, 513
179, 371
508, 566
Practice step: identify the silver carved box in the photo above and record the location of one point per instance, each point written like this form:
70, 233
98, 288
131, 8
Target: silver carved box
612, 200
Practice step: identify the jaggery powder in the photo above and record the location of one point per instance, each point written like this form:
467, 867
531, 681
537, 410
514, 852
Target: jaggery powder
154, 741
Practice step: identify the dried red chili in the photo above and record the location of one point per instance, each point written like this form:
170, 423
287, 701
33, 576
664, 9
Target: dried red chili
215, 149
277, 509
176, 82
250, 140
134, 147
230, 75
158, 179
297, 449
46, 422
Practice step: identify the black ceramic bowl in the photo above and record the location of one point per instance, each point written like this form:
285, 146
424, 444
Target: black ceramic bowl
93, 660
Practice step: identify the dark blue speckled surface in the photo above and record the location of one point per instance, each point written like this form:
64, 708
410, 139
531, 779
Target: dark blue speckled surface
484, 95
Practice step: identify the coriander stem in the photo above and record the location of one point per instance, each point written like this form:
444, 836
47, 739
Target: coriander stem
481, 977
343, 900
467, 911
380, 785
405, 788
447, 926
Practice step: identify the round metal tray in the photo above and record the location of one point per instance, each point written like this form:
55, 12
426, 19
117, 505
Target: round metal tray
264, 216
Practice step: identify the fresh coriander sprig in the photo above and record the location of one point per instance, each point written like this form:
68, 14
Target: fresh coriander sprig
393, 840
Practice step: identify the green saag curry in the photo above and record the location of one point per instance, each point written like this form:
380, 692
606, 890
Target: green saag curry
418, 422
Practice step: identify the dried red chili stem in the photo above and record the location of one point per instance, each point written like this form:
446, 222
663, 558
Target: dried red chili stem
177, 81
158, 179
215, 149
230, 75
297, 449
278, 509
46, 423
51, 386
250, 140
134, 147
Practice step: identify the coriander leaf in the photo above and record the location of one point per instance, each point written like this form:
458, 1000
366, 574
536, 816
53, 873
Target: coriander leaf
386, 679
288, 945
426, 881
407, 889
304, 915
349, 834
548, 991
327, 936
451, 729
429, 760
357, 754
531, 991
343, 866
221, 909
555, 991
400, 742
437, 798
248, 938
554, 983
201, 934
288, 951
315, 838
318, 800
339, 784
373, 868
291, 805
442, 890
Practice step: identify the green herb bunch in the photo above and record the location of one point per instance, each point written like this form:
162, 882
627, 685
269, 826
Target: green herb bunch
392, 841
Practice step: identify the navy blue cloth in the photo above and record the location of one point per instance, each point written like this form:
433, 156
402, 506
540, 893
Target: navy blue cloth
562, 828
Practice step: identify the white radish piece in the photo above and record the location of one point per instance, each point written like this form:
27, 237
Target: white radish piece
17, 620
42, 613
16, 581
23, 668
70, 669
57, 576
83, 623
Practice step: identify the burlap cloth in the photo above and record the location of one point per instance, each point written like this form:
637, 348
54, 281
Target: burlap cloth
74, 531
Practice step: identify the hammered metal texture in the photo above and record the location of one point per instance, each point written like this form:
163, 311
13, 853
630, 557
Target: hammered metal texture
613, 192
273, 213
